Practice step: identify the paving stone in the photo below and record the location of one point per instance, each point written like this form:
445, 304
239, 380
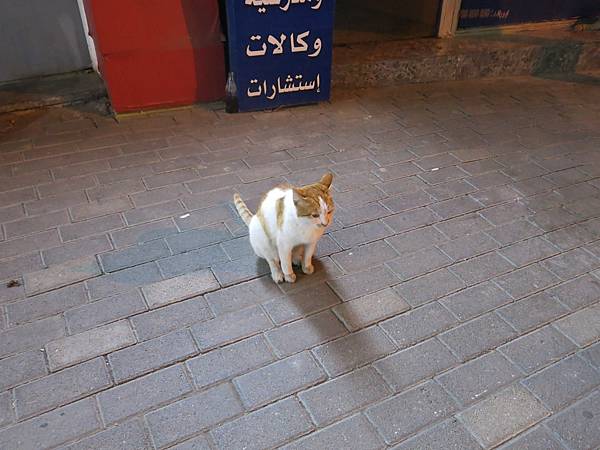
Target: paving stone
229, 361
395, 171
413, 265
583, 326
61, 388
572, 263
101, 208
368, 255
419, 239
538, 349
478, 378
298, 304
463, 226
17, 196
243, 269
77, 249
53, 428
361, 234
354, 350
197, 443
481, 268
477, 336
443, 175
538, 438
495, 195
561, 383
154, 212
193, 414
476, 300
134, 255
198, 238
126, 279
230, 327
528, 280
409, 220
533, 311
360, 214
305, 333
353, 432
592, 355
15, 267
579, 425
344, 394
91, 227
7, 415
408, 201
140, 359
514, 231
143, 233
73, 349
553, 219
278, 380
61, 275
358, 284
46, 305
243, 295
163, 320
451, 189
418, 324
34, 224
31, 336
468, 246
505, 213
192, 261
415, 364
265, 428
455, 207
531, 250
57, 202
503, 415
372, 308
29, 244
571, 237
21, 368
115, 190
131, 435
432, 286
144, 393
450, 435
179, 288
399, 417
104, 311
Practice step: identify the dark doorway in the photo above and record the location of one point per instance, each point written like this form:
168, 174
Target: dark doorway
359, 21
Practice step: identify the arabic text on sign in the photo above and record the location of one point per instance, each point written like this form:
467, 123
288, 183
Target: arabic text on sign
297, 44
286, 4
290, 84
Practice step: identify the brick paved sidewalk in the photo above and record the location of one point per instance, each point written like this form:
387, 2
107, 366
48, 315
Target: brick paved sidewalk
456, 302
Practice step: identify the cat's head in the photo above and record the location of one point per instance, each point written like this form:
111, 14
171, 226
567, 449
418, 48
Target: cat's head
314, 201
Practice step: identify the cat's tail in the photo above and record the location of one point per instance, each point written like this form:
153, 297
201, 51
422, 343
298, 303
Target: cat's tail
242, 209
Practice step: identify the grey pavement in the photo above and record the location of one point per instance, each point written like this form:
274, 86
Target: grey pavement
455, 302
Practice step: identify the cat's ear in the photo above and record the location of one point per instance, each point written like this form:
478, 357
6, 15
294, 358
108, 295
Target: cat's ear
326, 180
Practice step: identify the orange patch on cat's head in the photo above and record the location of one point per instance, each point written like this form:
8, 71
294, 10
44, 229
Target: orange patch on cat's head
306, 198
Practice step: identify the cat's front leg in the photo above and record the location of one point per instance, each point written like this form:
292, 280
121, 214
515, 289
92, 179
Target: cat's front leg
285, 256
309, 251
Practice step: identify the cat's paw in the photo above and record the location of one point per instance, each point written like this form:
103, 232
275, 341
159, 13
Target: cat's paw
277, 277
290, 277
297, 261
308, 270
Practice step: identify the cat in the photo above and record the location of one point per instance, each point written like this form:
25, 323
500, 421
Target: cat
288, 224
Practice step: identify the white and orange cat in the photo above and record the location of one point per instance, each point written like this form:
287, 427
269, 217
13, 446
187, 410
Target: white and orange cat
288, 224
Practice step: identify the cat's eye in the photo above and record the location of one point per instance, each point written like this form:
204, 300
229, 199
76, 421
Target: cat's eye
315, 215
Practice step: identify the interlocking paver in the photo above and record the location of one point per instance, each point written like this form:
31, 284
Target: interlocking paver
415, 364
143, 393
579, 425
193, 414
464, 249
61, 388
450, 434
537, 349
265, 428
503, 415
60, 275
402, 415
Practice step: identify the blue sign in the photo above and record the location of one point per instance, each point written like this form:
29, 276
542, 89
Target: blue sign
280, 51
